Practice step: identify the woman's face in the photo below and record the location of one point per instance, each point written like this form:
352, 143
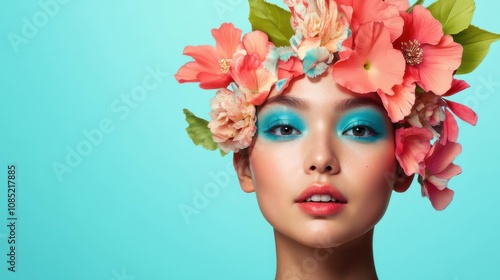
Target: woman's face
320, 142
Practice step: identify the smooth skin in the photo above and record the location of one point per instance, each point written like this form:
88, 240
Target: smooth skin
319, 133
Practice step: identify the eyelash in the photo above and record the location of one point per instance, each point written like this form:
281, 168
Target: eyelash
273, 131
367, 126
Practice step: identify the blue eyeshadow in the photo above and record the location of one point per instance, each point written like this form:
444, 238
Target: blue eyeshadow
270, 121
366, 117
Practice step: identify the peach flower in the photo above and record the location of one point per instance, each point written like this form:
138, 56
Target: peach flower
233, 120
317, 23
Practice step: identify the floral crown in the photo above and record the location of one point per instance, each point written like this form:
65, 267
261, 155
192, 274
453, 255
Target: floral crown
407, 54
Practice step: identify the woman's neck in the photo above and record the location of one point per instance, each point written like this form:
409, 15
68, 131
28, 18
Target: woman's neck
353, 260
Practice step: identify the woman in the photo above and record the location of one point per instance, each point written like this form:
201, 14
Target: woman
325, 126
319, 167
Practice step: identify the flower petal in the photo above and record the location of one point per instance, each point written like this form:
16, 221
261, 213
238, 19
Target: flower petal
373, 65
440, 180
412, 145
227, 39
449, 132
425, 28
440, 199
211, 81
402, 5
205, 55
257, 42
400, 104
366, 11
440, 156
457, 86
463, 112
189, 71
440, 61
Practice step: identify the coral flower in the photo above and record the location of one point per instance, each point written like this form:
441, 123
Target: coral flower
427, 112
283, 63
360, 12
287, 70
400, 104
412, 145
247, 67
211, 65
450, 127
373, 65
432, 110
233, 120
431, 57
402, 5
463, 112
437, 170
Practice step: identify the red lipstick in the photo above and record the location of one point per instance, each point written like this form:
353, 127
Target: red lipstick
321, 200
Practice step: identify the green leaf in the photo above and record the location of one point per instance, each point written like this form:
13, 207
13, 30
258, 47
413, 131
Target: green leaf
222, 153
454, 15
476, 43
419, 2
272, 20
199, 132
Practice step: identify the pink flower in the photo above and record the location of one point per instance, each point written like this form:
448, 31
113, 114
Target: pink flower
211, 65
432, 111
427, 112
437, 170
288, 70
402, 5
247, 69
412, 145
233, 120
360, 12
463, 112
431, 57
450, 127
373, 65
400, 104
318, 23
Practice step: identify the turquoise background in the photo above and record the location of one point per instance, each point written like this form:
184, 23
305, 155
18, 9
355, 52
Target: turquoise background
115, 214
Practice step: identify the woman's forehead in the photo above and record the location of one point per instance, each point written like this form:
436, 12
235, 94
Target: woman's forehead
310, 93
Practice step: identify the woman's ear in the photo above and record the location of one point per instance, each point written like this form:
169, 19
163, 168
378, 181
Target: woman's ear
403, 181
241, 164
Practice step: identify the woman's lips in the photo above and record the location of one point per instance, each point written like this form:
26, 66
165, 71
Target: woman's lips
321, 199
321, 189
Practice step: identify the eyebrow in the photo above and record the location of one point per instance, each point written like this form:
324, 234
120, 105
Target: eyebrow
342, 105
351, 103
289, 101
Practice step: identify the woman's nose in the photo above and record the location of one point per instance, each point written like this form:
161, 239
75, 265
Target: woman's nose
321, 154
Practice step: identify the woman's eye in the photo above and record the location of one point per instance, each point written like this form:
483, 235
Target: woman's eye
359, 131
284, 130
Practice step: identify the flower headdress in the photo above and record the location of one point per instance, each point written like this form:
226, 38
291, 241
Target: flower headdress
407, 54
